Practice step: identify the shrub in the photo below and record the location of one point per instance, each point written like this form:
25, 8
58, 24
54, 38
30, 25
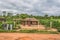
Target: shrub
58, 29
56, 24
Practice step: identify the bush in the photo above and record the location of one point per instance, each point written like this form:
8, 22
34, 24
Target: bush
0, 25
55, 24
45, 22
58, 29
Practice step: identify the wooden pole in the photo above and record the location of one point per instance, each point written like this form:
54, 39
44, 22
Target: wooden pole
7, 26
10, 26
38, 25
50, 25
14, 23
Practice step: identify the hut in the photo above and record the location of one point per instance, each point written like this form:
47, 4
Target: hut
29, 21
2, 19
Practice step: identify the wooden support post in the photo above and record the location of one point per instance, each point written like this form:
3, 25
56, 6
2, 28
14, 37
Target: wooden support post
10, 26
14, 23
7, 26
38, 24
50, 25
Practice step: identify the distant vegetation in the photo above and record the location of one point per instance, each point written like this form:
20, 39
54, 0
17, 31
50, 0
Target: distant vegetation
44, 20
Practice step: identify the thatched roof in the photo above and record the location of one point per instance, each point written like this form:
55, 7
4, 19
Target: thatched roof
30, 19
26, 19
2, 19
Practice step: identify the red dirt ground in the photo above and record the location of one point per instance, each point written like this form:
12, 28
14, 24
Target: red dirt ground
28, 36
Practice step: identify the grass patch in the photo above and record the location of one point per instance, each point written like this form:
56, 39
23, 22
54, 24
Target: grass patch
7, 31
40, 31
29, 31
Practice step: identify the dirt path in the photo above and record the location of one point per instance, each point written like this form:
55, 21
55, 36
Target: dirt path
28, 36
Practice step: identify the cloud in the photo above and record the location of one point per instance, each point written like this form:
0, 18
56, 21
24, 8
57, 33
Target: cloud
35, 7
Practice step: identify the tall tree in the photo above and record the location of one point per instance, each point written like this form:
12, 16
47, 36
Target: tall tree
9, 14
46, 16
4, 13
51, 19
23, 16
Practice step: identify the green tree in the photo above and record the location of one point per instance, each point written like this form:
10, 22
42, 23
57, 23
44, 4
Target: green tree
23, 16
46, 16
4, 13
9, 14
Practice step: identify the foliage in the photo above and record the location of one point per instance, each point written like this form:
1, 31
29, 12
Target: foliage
0, 25
56, 25
23, 16
44, 20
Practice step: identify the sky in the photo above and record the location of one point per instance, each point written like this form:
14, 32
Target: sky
34, 7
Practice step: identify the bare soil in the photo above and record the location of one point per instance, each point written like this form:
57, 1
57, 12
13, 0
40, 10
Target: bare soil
28, 36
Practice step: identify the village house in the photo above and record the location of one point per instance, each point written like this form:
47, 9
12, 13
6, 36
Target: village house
26, 21
29, 21
2, 19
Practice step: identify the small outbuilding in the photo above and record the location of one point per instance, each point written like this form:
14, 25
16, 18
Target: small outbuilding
2, 19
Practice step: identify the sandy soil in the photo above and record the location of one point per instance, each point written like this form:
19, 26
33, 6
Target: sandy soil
28, 36
38, 27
